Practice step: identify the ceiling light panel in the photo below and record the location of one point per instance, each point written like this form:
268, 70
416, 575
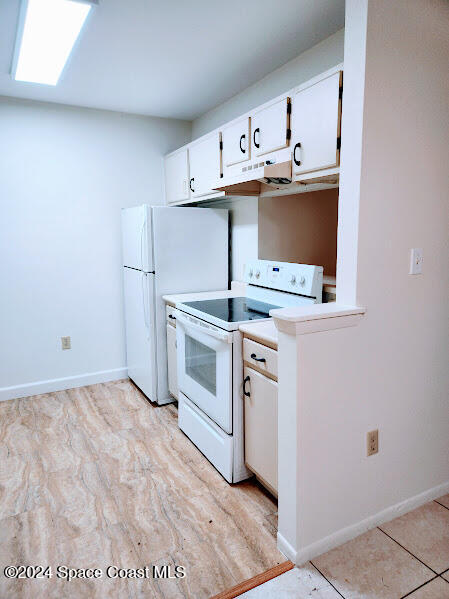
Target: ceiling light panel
48, 30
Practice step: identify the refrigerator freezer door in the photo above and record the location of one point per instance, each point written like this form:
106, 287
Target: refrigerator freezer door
140, 330
137, 248
190, 254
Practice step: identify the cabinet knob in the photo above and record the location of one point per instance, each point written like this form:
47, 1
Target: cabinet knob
191, 184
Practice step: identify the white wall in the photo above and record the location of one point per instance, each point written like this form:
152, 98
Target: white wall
64, 175
244, 232
319, 58
391, 371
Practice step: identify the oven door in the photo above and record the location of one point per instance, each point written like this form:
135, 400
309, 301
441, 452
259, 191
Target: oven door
205, 367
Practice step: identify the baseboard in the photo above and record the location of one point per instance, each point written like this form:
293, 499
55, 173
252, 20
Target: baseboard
285, 548
346, 534
69, 382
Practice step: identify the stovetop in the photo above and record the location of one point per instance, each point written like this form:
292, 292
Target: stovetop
233, 309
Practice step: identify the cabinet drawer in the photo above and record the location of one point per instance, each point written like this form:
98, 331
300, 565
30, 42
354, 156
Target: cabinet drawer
267, 361
170, 313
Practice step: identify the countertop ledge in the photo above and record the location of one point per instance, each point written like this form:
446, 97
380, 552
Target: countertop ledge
318, 317
263, 332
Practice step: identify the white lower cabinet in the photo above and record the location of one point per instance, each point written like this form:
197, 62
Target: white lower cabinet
261, 435
172, 362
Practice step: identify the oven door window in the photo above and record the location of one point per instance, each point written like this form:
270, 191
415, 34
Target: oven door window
201, 364
205, 370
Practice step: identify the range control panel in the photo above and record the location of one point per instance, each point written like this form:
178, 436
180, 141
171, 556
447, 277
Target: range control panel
302, 279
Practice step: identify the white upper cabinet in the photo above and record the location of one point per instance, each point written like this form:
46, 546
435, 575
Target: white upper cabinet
316, 125
236, 142
271, 127
205, 165
177, 177
291, 136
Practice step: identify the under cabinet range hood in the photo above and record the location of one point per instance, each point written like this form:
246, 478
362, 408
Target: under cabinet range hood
273, 176
273, 172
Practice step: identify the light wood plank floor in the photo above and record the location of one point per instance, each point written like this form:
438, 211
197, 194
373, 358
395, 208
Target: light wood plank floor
97, 476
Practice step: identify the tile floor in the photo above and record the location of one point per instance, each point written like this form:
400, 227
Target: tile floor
407, 557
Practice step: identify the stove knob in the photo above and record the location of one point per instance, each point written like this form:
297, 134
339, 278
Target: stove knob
302, 280
293, 280
257, 274
250, 273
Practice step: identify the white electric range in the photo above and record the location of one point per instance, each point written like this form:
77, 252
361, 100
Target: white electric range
209, 353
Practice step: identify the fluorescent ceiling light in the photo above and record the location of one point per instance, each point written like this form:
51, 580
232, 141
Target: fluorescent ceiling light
48, 30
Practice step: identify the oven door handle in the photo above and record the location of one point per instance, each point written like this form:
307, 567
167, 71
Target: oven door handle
221, 336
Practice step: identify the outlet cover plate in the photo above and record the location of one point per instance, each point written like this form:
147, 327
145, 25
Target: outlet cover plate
66, 343
372, 442
416, 259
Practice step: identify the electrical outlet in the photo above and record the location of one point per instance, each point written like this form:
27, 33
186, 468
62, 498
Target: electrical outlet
66, 343
416, 259
372, 442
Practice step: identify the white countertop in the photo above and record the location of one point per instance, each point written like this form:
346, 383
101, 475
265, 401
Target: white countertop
264, 331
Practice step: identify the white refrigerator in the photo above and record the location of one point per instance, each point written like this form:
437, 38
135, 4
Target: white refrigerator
166, 250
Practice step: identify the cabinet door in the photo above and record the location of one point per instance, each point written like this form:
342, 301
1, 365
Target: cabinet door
271, 127
177, 177
172, 361
316, 125
204, 158
236, 142
261, 433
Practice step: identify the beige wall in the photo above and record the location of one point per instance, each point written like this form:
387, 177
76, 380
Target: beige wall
391, 371
300, 228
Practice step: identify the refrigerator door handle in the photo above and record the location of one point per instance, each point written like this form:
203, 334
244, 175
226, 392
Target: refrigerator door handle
142, 231
144, 304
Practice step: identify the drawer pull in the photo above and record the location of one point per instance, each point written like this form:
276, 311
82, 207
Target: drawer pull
172, 317
254, 357
245, 392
